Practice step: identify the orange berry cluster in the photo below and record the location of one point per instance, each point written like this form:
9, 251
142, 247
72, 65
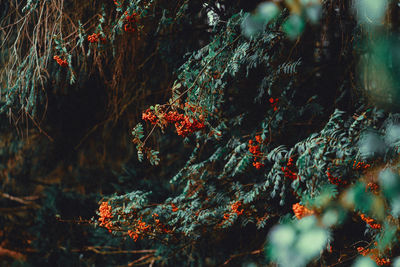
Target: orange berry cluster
105, 215
255, 150
141, 228
95, 37
274, 103
260, 220
335, 180
227, 216
374, 255
370, 222
165, 118
149, 116
381, 261
188, 125
184, 124
61, 62
363, 251
131, 22
118, 4
235, 208
173, 117
288, 171
161, 227
360, 165
373, 187
301, 211
174, 208
155, 217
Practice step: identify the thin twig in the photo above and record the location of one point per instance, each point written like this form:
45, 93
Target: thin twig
12, 254
17, 199
255, 252
98, 250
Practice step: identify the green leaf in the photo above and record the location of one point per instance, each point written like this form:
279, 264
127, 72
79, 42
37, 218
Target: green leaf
293, 26
364, 262
370, 11
268, 11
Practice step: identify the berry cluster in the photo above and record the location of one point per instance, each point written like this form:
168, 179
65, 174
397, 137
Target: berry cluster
159, 226
289, 170
61, 62
117, 3
141, 228
301, 211
131, 22
236, 206
261, 220
274, 103
373, 187
174, 208
173, 117
234, 209
335, 180
371, 222
255, 150
95, 37
226, 217
374, 255
105, 215
184, 124
360, 165
188, 126
149, 116
129, 220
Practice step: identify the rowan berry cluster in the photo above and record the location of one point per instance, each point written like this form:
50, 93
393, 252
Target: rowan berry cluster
174, 208
188, 125
184, 124
301, 211
95, 37
371, 222
117, 3
360, 165
290, 170
274, 103
261, 220
254, 148
381, 261
159, 226
373, 187
141, 228
105, 215
374, 255
61, 62
149, 116
131, 22
129, 220
173, 117
236, 206
234, 209
335, 180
